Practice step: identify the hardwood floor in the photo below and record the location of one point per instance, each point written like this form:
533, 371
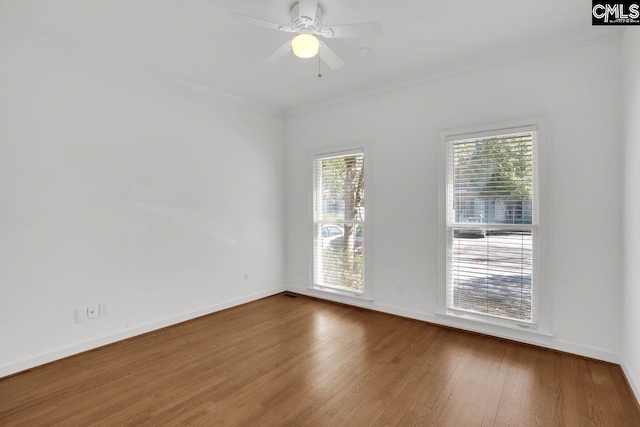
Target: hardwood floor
283, 361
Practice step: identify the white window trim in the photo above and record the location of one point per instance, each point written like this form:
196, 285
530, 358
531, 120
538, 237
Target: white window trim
541, 324
363, 147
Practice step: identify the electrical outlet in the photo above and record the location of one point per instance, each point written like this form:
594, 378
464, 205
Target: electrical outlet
103, 308
92, 311
81, 314
246, 277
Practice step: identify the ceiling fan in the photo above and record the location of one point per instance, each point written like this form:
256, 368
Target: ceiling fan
306, 21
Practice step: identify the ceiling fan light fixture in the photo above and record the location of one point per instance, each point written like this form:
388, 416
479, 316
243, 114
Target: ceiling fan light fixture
305, 45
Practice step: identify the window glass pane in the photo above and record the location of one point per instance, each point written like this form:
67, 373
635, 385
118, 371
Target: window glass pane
340, 188
493, 180
492, 272
338, 258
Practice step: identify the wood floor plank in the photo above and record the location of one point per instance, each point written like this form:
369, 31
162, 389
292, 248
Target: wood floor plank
282, 377
510, 357
388, 375
283, 361
434, 382
309, 389
366, 376
631, 408
422, 376
469, 391
608, 398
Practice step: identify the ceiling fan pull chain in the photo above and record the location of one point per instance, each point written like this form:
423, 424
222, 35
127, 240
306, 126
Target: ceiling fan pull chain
319, 73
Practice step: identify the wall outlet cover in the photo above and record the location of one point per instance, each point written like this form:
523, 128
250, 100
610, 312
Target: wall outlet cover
92, 311
81, 314
103, 308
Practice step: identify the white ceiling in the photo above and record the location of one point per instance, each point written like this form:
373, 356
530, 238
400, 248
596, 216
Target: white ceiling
196, 42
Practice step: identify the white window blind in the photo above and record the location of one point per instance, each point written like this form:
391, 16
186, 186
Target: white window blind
339, 221
492, 225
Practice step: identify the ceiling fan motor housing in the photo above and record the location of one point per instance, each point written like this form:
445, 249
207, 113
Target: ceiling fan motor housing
305, 23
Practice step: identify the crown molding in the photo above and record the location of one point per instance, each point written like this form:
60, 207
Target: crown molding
566, 42
514, 55
33, 37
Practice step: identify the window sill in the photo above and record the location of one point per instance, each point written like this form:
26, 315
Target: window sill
467, 320
354, 295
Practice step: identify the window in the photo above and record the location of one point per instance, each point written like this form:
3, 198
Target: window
339, 221
492, 225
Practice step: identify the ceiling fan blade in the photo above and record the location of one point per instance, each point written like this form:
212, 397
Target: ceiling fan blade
307, 8
366, 29
252, 20
280, 53
330, 58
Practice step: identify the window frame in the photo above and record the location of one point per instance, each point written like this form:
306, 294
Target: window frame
333, 151
540, 323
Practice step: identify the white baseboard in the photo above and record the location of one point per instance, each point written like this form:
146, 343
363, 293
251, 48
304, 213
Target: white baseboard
586, 351
543, 340
60, 353
631, 378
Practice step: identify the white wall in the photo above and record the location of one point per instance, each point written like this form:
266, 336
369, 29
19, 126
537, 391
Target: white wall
122, 188
580, 90
631, 207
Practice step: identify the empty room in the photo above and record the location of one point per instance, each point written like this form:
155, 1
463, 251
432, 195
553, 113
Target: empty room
319, 213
